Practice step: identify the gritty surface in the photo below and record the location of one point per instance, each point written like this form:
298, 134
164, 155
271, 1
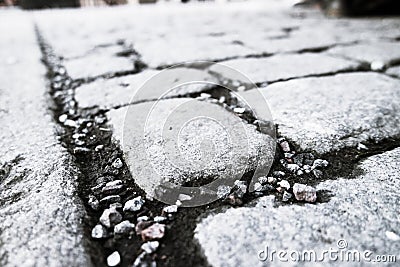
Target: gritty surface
287, 66
362, 216
41, 214
224, 147
329, 113
332, 87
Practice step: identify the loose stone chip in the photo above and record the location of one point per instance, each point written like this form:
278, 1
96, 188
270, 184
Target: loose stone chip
304, 192
156, 231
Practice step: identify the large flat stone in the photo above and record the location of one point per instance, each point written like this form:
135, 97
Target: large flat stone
102, 61
384, 52
185, 140
286, 66
363, 212
329, 113
123, 90
41, 214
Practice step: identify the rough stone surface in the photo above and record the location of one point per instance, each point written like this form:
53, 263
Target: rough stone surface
330, 113
41, 215
286, 66
123, 90
362, 216
98, 63
394, 71
212, 142
385, 52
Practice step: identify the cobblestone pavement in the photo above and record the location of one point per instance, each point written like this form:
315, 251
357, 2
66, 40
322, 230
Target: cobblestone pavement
69, 192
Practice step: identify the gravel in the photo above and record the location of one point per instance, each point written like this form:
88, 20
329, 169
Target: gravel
110, 217
134, 205
124, 228
304, 193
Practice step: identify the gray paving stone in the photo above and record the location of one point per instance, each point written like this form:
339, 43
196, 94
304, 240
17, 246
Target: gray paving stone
193, 49
99, 62
286, 66
385, 52
363, 212
329, 113
394, 71
120, 91
212, 142
41, 214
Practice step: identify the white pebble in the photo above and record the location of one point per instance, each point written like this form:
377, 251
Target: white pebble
170, 209
150, 247
114, 259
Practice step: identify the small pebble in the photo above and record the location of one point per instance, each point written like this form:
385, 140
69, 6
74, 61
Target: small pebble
293, 168
377, 66
286, 196
304, 192
392, 236
125, 227
70, 123
258, 187
134, 204
156, 231
150, 247
239, 110
116, 205
320, 163
93, 202
205, 95
98, 148
63, 118
221, 99
223, 191
170, 209
285, 146
117, 163
97, 189
241, 188
318, 173
139, 261
159, 219
361, 146
99, 231
288, 155
263, 180
142, 218
79, 150
113, 187
105, 201
183, 197
114, 259
110, 217
271, 180
284, 184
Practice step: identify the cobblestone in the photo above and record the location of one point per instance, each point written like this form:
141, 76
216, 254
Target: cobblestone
329, 113
361, 211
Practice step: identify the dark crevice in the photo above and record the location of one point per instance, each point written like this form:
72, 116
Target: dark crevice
6, 167
361, 68
96, 166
